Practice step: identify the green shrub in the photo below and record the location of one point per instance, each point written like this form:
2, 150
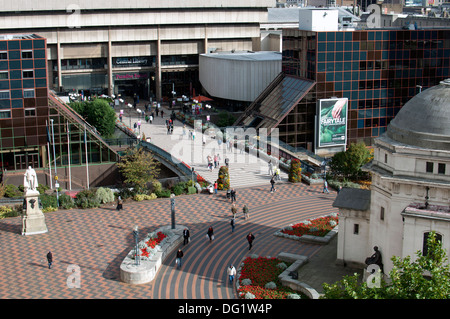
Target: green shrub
48, 201
157, 187
178, 190
87, 199
192, 190
104, 195
165, 193
141, 197
8, 211
66, 202
12, 191
42, 188
190, 183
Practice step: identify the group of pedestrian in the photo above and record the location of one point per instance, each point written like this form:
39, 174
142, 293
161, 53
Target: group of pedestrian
231, 194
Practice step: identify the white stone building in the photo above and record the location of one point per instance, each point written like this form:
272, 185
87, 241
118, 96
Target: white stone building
410, 190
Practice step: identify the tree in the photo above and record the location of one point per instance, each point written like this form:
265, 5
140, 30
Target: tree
97, 113
138, 167
428, 277
348, 164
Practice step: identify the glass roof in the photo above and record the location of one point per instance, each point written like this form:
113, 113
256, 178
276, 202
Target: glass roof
271, 107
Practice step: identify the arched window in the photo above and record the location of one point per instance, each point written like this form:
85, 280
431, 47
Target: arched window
425, 242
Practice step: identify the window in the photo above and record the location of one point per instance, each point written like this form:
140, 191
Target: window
441, 168
429, 167
29, 93
356, 229
5, 114
382, 213
26, 74
30, 112
385, 158
3, 55
4, 75
4, 95
27, 54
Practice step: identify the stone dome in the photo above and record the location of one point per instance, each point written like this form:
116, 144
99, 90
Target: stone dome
424, 121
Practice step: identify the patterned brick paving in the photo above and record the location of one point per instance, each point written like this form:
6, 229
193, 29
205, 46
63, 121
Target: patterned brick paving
97, 240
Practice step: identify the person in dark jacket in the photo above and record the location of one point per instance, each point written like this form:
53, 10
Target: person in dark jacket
250, 239
233, 195
210, 233
186, 236
50, 259
179, 256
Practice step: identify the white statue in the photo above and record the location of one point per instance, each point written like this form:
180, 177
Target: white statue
30, 179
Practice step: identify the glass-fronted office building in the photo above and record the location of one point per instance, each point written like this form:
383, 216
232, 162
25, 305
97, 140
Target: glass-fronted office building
36, 128
377, 70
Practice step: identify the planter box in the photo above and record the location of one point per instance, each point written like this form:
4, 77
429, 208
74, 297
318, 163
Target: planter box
146, 271
309, 238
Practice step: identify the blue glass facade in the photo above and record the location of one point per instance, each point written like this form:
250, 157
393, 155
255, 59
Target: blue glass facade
377, 70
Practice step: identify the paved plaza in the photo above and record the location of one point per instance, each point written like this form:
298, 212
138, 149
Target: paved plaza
94, 242
97, 240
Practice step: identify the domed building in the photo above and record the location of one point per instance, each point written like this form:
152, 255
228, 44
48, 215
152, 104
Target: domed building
410, 190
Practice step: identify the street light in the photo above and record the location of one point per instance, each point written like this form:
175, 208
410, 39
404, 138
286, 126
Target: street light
172, 209
136, 247
129, 112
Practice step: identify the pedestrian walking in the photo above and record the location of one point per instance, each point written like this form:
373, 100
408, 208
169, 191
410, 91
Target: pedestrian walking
231, 272
50, 259
210, 233
325, 186
232, 223
215, 187
233, 195
119, 203
218, 160
186, 236
162, 114
178, 259
245, 212
151, 119
215, 161
250, 239
270, 168
233, 210
278, 173
227, 161
272, 182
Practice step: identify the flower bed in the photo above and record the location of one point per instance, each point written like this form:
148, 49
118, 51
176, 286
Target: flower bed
319, 230
259, 279
315, 227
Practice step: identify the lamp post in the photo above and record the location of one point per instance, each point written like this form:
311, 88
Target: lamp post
172, 209
136, 247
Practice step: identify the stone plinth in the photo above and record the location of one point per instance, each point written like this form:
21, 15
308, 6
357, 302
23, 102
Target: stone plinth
33, 220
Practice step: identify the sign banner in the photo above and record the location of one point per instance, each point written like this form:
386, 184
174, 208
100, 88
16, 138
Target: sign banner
332, 124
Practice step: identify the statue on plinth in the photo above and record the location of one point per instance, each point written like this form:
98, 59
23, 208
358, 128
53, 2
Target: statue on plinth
375, 259
33, 220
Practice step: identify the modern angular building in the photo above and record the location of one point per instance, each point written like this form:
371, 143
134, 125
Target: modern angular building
375, 70
36, 128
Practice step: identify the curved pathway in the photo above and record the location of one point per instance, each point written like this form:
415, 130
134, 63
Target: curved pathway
97, 241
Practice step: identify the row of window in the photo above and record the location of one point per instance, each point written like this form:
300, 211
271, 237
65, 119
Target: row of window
28, 112
27, 93
26, 74
430, 168
26, 54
